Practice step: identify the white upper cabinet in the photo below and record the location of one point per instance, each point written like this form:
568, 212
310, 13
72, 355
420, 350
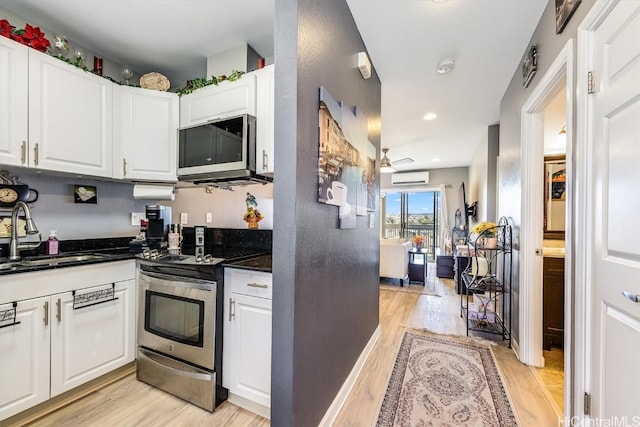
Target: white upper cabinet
13, 102
265, 105
227, 99
70, 118
148, 132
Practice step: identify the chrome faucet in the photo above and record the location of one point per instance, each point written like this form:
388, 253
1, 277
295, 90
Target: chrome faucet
30, 226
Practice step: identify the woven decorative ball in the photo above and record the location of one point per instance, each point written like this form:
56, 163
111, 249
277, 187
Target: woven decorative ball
155, 81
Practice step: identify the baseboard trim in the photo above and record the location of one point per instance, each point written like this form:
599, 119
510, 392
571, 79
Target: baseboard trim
516, 348
249, 405
343, 393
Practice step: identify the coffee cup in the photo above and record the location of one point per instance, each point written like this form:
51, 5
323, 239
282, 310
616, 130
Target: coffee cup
337, 194
174, 240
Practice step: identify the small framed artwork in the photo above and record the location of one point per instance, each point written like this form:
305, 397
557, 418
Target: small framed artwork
564, 11
85, 194
529, 66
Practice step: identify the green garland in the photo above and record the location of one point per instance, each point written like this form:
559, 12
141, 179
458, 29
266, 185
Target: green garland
79, 63
201, 82
194, 84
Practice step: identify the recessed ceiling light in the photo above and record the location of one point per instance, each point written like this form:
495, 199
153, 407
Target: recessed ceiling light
446, 66
430, 116
435, 159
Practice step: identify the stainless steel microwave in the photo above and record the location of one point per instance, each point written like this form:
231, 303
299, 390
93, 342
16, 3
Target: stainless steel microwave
219, 150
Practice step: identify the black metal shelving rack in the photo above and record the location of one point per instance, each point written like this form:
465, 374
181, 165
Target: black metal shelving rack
488, 276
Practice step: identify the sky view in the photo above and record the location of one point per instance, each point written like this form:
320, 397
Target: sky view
419, 203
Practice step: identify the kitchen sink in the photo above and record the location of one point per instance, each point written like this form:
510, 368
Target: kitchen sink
63, 259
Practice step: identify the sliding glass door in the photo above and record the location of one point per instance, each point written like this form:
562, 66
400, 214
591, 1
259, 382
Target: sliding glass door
411, 214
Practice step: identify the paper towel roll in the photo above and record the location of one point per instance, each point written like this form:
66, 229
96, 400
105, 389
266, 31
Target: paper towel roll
154, 192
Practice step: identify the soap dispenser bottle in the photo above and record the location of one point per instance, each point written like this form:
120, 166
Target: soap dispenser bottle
53, 244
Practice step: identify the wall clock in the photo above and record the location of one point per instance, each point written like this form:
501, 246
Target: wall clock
8, 196
12, 194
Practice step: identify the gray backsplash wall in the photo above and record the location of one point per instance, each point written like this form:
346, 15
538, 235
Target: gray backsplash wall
226, 207
56, 210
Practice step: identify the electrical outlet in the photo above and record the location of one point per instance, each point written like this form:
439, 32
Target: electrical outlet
136, 217
209, 218
184, 218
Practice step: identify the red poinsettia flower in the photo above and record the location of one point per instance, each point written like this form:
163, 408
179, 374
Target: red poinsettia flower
5, 28
36, 38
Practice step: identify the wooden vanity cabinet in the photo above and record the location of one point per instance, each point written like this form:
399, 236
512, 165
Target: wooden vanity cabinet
553, 303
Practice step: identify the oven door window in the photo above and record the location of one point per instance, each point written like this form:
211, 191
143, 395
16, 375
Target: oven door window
175, 318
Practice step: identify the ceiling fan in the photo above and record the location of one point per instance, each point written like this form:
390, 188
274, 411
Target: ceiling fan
387, 166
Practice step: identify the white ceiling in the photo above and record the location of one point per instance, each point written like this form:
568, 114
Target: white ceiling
405, 39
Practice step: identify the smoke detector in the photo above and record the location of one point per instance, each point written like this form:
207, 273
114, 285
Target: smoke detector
446, 66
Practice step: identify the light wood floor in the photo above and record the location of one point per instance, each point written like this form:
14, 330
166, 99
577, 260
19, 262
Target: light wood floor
400, 310
131, 403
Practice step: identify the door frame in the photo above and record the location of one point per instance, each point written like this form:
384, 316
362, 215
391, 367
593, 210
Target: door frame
582, 227
560, 72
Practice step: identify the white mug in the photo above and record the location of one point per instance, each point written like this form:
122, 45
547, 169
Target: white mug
337, 194
174, 240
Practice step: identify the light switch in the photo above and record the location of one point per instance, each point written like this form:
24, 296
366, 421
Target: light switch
184, 218
209, 218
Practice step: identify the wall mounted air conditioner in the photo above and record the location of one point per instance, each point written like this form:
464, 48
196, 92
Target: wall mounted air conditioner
410, 178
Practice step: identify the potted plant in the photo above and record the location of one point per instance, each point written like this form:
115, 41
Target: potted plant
486, 232
418, 241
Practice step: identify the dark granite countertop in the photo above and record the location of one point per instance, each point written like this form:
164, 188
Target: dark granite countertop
259, 263
62, 260
72, 253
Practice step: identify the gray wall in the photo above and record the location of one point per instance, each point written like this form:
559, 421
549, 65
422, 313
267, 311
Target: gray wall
482, 176
55, 209
226, 207
493, 151
451, 178
549, 44
325, 299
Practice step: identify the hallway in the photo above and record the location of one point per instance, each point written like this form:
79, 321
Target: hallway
401, 310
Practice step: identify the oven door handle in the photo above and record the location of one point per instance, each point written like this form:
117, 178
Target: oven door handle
176, 280
195, 373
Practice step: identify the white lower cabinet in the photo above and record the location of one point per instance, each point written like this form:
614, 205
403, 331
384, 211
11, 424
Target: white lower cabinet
56, 346
247, 339
24, 356
91, 341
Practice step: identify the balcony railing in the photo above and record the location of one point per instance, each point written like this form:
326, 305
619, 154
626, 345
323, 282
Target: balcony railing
428, 231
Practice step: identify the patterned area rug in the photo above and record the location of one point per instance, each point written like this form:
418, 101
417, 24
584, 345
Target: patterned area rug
439, 380
431, 287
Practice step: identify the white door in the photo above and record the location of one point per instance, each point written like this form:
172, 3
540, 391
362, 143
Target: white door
24, 356
13, 102
613, 203
70, 118
149, 134
265, 113
91, 341
248, 373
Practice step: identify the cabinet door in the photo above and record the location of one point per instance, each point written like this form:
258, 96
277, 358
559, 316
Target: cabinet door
13, 102
265, 105
24, 357
228, 99
148, 135
93, 340
70, 118
247, 348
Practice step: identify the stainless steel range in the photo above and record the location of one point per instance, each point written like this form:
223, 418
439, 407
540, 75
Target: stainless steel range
180, 301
